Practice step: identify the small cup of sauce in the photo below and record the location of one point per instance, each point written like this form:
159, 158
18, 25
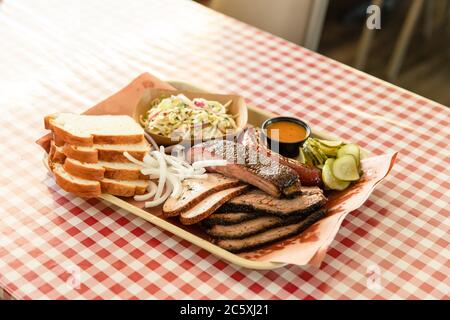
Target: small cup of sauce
285, 135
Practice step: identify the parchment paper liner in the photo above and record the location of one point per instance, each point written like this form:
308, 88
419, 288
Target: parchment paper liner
308, 248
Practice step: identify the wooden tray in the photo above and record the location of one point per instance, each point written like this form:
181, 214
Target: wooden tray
256, 117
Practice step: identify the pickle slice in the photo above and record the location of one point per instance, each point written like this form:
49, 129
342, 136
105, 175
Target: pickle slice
322, 155
320, 158
301, 156
328, 151
330, 180
330, 143
351, 149
324, 149
345, 168
309, 157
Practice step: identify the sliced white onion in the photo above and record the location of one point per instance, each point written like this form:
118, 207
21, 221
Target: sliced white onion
180, 161
162, 171
151, 192
175, 163
150, 160
152, 171
180, 166
170, 171
158, 201
176, 185
133, 159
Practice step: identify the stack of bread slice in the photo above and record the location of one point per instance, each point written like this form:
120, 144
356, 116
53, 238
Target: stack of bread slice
87, 154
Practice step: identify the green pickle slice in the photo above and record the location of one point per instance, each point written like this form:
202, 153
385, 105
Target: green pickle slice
345, 168
350, 149
330, 180
301, 156
331, 143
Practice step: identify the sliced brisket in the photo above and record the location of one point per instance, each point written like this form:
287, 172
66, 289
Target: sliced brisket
228, 218
250, 227
253, 138
257, 201
269, 236
249, 166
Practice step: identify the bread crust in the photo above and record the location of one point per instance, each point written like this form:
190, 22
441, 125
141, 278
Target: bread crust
124, 174
96, 155
121, 190
65, 147
89, 156
89, 173
91, 139
117, 155
57, 140
130, 139
95, 189
56, 155
81, 190
83, 172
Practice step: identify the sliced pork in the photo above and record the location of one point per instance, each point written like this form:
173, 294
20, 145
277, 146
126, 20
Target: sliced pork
245, 164
195, 190
210, 204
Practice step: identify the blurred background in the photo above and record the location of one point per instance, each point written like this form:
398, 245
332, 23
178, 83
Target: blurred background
409, 47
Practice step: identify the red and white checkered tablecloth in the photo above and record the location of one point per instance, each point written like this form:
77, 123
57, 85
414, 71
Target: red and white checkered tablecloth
67, 55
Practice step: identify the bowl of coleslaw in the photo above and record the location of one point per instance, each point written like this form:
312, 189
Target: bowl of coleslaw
177, 116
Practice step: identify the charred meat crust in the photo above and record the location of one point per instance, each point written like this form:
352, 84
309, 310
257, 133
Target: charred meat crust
292, 191
283, 177
230, 207
274, 222
240, 245
228, 218
257, 202
253, 138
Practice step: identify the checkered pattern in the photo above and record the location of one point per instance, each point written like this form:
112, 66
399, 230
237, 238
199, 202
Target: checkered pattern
65, 55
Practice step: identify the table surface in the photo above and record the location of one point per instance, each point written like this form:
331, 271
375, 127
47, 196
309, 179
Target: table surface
65, 55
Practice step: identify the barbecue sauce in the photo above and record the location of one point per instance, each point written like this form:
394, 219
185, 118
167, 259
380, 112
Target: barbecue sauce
286, 131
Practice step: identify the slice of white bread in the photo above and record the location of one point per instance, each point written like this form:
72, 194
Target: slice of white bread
89, 171
56, 154
59, 142
91, 188
102, 169
80, 187
107, 152
124, 188
87, 130
122, 171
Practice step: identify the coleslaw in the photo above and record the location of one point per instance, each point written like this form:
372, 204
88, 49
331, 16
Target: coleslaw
179, 117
